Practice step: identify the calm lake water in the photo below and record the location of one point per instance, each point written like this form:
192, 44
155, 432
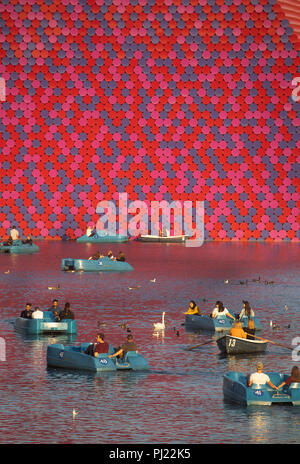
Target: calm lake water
180, 400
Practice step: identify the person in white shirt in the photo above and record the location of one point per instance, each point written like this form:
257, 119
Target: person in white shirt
37, 313
90, 231
219, 310
260, 378
14, 233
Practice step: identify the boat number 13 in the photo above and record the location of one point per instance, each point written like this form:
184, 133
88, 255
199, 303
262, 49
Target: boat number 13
232, 342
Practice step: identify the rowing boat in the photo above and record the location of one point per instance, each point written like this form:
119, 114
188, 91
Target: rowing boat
95, 265
75, 357
235, 345
235, 389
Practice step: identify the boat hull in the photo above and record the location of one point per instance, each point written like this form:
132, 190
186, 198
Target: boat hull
157, 238
217, 324
235, 390
45, 325
90, 265
102, 239
235, 345
74, 357
19, 248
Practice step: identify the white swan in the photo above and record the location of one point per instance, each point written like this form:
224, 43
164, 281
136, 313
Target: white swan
160, 325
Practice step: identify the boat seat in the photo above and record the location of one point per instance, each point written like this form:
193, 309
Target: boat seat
295, 385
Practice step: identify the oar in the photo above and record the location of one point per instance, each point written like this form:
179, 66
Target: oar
201, 344
273, 343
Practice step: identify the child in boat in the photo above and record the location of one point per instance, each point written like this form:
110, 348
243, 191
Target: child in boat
219, 310
192, 309
237, 330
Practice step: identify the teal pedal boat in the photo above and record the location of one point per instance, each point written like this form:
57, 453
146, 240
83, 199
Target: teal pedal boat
74, 357
45, 325
235, 389
95, 265
18, 247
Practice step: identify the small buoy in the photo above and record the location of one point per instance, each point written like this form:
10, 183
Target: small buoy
153, 280
74, 413
6, 272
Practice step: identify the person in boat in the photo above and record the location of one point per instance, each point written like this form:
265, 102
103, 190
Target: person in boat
121, 257
110, 255
247, 311
37, 313
8, 242
27, 312
294, 377
250, 329
14, 233
90, 231
54, 308
220, 310
260, 378
66, 313
192, 309
27, 240
96, 256
237, 330
129, 345
56, 317
99, 347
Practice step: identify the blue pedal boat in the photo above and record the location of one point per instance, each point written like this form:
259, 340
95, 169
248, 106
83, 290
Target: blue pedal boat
235, 389
45, 325
18, 247
102, 238
95, 265
74, 357
217, 324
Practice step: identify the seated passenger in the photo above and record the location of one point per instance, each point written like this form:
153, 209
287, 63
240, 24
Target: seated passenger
193, 308
96, 256
121, 257
26, 313
37, 313
260, 378
250, 329
219, 310
14, 233
247, 311
27, 241
90, 231
8, 242
294, 377
237, 330
54, 307
66, 313
56, 316
101, 346
129, 345
110, 255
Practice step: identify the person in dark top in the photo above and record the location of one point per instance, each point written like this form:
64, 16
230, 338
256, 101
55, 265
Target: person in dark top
294, 377
27, 312
129, 345
66, 313
101, 346
54, 308
250, 329
27, 241
94, 349
121, 256
8, 242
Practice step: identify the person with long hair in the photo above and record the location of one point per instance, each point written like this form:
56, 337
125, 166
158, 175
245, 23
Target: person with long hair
294, 377
220, 310
192, 309
247, 311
